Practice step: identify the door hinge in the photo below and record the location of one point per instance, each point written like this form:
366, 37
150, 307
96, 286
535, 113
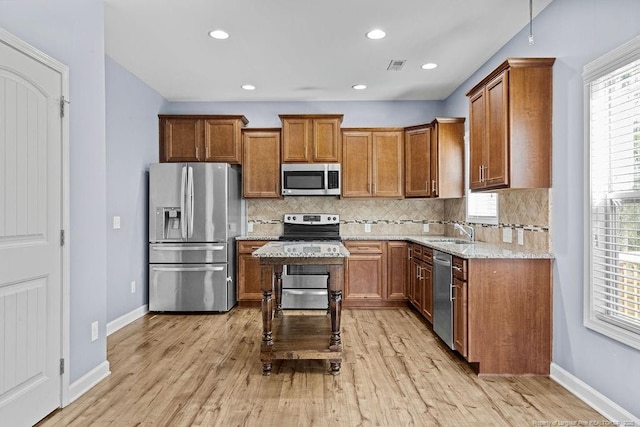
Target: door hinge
62, 102
61, 366
61, 237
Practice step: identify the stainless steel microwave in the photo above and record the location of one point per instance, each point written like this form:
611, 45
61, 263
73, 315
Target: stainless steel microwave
310, 179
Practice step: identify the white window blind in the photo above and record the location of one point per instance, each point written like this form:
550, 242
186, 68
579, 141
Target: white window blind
482, 207
613, 113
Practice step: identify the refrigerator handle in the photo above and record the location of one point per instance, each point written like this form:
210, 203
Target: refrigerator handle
183, 213
191, 200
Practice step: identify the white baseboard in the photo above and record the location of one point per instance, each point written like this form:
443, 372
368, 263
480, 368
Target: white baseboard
608, 408
124, 320
87, 381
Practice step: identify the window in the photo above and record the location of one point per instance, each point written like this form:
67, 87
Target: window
612, 241
482, 208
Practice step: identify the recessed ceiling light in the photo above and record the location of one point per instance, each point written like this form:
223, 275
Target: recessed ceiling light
219, 34
376, 34
429, 66
359, 87
248, 87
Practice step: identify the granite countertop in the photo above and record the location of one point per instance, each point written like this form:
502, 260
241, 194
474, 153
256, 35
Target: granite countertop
441, 243
312, 249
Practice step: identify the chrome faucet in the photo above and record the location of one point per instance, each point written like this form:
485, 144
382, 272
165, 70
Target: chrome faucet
471, 235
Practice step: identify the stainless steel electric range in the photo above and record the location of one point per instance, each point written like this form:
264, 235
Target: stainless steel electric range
305, 286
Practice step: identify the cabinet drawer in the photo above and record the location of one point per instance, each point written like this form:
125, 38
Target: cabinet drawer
416, 251
248, 246
427, 255
460, 268
360, 247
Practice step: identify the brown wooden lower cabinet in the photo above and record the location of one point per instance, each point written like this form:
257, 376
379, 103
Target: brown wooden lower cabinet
248, 275
421, 279
508, 315
396, 289
375, 274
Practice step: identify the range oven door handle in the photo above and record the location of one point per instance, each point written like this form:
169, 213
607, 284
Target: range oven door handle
319, 292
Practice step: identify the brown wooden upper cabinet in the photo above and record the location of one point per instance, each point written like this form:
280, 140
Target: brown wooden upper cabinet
510, 126
434, 159
311, 138
201, 138
261, 163
372, 163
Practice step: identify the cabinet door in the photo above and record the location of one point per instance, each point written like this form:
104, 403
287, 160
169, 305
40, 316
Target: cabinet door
417, 163
387, 162
261, 164
326, 140
427, 292
418, 289
364, 273
396, 271
460, 316
477, 132
447, 157
296, 138
356, 164
496, 173
181, 140
248, 274
222, 141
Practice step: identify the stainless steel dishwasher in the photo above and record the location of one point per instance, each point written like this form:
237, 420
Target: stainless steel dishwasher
442, 297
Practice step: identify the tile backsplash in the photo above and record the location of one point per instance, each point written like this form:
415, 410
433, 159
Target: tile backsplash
386, 216
528, 210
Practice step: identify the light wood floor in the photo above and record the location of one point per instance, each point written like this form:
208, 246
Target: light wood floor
183, 370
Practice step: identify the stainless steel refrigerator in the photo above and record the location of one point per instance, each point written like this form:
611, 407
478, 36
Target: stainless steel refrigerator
194, 217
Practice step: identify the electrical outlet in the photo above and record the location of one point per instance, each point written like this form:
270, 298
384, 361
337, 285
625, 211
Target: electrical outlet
520, 236
250, 227
425, 228
116, 222
94, 331
507, 235
367, 228
133, 286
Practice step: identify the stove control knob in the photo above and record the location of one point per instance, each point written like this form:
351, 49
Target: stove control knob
288, 218
334, 218
294, 218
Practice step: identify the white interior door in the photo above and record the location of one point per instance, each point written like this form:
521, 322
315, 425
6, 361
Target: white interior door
30, 224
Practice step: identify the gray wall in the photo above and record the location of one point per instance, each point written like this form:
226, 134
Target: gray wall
72, 31
575, 32
132, 143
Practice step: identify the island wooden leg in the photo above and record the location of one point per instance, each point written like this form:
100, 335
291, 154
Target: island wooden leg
266, 283
335, 288
277, 285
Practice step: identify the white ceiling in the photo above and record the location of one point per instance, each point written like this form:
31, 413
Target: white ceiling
301, 50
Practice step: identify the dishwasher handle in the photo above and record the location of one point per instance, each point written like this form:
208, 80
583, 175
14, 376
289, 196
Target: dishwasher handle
442, 261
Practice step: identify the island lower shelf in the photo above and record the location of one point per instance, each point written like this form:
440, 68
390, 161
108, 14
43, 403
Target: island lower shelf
301, 337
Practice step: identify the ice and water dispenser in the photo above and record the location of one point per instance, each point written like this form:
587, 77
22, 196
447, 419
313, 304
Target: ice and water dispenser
168, 224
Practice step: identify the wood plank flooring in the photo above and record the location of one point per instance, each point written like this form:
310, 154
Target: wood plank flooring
205, 370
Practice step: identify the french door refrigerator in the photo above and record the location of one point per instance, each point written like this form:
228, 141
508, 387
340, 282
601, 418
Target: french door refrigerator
194, 216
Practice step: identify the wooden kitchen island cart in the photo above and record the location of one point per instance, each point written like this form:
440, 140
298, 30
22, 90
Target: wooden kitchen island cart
286, 337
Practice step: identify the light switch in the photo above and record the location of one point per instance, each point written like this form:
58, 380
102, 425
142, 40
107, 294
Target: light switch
425, 228
520, 236
250, 227
116, 222
367, 228
507, 235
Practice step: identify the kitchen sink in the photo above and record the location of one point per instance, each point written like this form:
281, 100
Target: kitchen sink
452, 241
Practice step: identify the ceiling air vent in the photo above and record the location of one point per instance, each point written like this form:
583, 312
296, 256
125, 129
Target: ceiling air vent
396, 64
